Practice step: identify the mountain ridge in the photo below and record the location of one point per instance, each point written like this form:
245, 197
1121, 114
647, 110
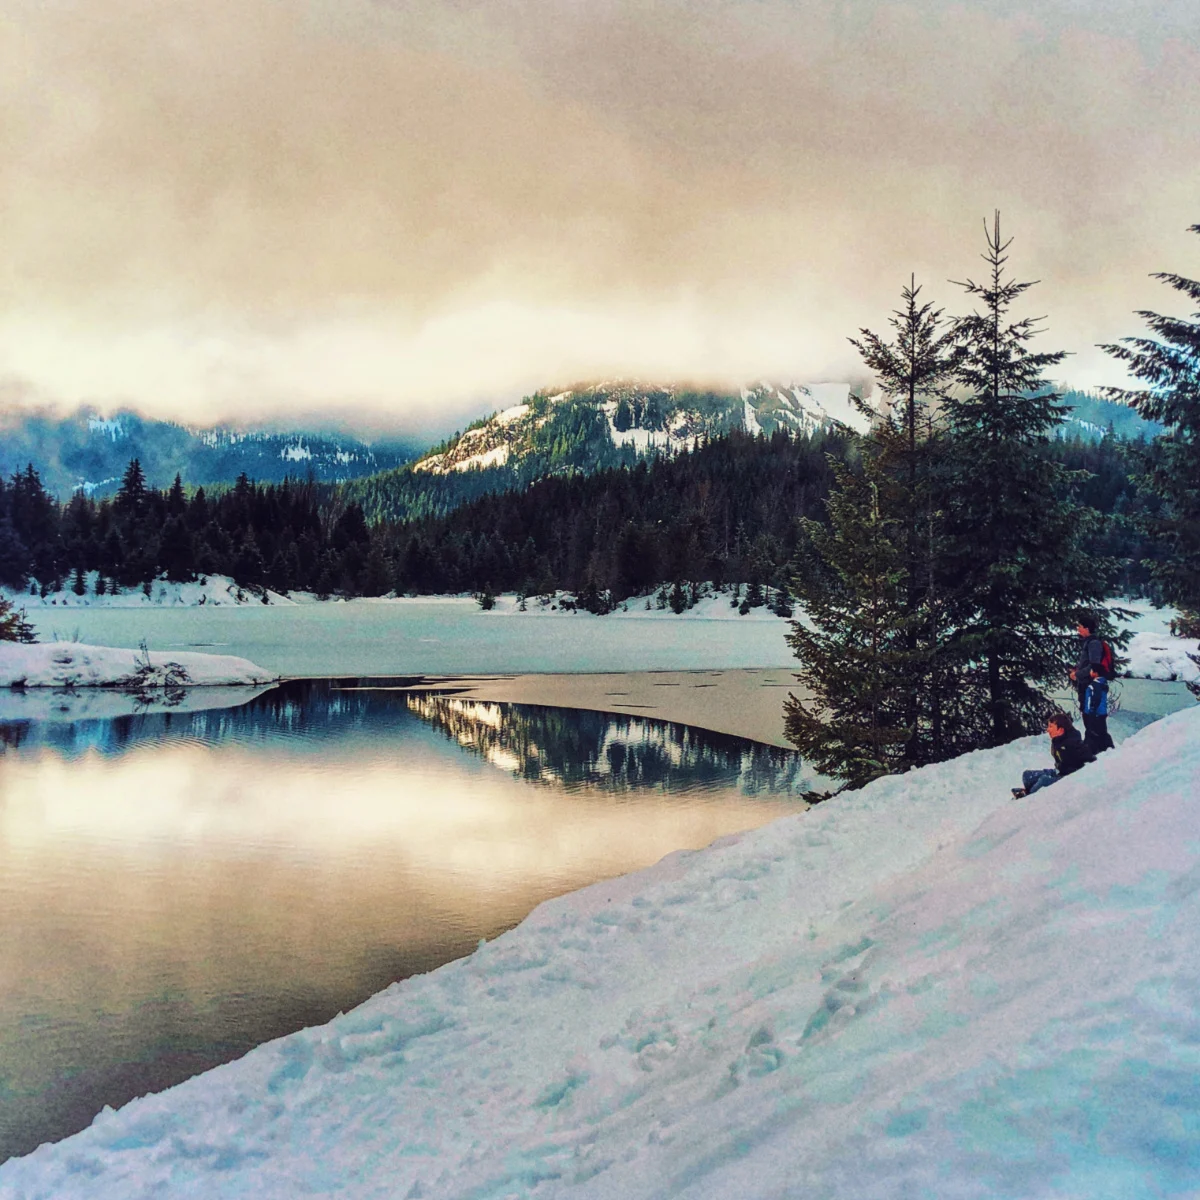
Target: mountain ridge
88, 451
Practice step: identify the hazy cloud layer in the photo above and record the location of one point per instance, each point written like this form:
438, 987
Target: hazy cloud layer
245, 206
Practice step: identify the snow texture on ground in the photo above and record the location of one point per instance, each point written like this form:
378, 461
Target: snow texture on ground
73, 665
1160, 656
922, 988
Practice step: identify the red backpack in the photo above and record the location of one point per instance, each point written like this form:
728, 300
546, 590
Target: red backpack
1106, 660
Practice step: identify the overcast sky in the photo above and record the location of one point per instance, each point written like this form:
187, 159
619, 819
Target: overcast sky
257, 209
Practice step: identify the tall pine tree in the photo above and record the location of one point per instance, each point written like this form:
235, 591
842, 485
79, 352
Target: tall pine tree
1169, 364
871, 644
1021, 552
913, 372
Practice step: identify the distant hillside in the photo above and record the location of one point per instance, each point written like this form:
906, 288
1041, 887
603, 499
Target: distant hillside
1092, 417
582, 426
88, 451
587, 428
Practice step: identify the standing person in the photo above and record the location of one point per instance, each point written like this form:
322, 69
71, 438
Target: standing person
1069, 752
1092, 653
1094, 705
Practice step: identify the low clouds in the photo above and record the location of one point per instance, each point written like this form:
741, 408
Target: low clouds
234, 208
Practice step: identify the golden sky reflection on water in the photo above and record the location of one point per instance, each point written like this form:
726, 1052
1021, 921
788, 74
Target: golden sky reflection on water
169, 907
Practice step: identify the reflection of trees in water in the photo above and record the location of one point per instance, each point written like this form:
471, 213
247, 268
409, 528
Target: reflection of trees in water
579, 747
13, 733
299, 712
571, 747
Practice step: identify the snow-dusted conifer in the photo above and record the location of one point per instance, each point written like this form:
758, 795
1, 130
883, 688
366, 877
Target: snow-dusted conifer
872, 650
913, 372
1168, 363
1022, 554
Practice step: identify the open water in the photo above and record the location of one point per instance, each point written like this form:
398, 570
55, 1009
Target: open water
179, 886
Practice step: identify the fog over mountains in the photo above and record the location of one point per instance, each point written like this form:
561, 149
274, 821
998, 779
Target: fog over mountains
584, 427
89, 450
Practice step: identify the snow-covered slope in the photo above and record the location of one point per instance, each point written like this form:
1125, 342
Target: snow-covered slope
646, 418
919, 989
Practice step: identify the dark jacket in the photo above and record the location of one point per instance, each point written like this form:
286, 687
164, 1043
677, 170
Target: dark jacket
1069, 752
1091, 654
1095, 698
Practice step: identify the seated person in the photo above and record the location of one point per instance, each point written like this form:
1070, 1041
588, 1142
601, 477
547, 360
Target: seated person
1069, 752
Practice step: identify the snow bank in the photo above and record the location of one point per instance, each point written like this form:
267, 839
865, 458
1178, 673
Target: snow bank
1160, 656
216, 590
72, 665
711, 607
922, 988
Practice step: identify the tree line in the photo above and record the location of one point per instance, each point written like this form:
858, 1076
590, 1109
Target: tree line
283, 536
726, 512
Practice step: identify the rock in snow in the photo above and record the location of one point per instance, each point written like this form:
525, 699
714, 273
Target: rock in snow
71, 664
922, 988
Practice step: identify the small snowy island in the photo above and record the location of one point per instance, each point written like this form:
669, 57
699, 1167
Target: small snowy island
919, 988
73, 665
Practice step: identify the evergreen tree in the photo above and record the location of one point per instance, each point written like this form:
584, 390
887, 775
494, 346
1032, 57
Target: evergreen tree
279, 576
782, 607
112, 558
852, 654
1169, 364
176, 500
248, 567
35, 518
14, 557
1020, 554
197, 511
132, 493
13, 625
913, 372
176, 553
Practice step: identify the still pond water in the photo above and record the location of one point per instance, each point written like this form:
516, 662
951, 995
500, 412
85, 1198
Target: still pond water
178, 887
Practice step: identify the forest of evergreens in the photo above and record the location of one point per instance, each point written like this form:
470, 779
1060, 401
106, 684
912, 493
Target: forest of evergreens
726, 512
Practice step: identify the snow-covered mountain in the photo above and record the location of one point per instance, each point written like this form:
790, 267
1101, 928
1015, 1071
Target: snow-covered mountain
89, 450
593, 425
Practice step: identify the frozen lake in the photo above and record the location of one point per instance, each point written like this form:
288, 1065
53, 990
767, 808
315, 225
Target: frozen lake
442, 636
178, 887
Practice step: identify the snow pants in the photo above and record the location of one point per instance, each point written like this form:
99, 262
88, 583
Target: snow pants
1033, 780
1096, 736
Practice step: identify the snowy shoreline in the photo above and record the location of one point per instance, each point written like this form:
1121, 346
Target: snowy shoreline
921, 987
74, 665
